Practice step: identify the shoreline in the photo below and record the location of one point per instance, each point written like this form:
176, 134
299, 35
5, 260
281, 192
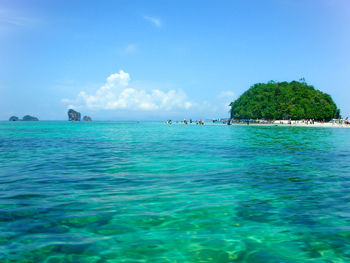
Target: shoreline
315, 125
300, 124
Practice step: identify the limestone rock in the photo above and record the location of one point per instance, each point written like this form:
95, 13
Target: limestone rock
87, 118
73, 115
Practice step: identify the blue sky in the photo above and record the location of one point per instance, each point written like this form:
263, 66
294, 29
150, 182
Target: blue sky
155, 60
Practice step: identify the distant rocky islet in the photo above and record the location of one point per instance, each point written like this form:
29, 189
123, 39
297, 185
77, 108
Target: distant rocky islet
87, 118
14, 118
25, 118
76, 116
29, 118
72, 116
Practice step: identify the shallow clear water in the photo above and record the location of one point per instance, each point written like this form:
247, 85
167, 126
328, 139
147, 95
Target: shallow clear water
150, 192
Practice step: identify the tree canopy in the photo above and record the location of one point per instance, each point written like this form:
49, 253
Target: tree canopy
29, 118
284, 100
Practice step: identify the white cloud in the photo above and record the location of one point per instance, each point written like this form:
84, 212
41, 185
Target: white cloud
10, 19
130, 49
225, 98
227, 95
117, 93
155, 21
65, 100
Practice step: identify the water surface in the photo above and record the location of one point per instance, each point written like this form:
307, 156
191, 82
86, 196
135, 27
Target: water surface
150, 192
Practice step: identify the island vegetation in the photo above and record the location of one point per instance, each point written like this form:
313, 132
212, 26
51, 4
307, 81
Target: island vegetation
29, 118
25, 118
294, 100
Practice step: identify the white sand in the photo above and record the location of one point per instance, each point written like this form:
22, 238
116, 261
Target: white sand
278, 123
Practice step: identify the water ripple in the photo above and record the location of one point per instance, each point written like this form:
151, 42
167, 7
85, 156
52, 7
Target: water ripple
149, 192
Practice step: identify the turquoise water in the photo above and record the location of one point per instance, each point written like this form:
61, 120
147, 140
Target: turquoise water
150, 192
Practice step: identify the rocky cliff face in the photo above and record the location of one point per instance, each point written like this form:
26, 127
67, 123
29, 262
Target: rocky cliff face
14, 118
87, 118
73, 115
29, 118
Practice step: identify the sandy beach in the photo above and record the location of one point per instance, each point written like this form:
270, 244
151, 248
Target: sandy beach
316, 124
279, 123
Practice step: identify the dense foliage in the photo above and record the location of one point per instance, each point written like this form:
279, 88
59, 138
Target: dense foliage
282, 100
29, 118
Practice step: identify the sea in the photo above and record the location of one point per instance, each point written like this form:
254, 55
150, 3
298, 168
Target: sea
153, 192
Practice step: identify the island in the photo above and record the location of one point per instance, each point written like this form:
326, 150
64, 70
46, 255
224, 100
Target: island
294, 100
87, 118
25, 118
14, 118
73, 115
29, 118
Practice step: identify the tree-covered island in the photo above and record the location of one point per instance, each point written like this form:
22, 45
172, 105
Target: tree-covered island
284, 100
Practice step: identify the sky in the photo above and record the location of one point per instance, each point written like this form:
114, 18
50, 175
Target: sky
159, 60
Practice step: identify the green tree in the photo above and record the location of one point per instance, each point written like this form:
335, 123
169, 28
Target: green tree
278, 100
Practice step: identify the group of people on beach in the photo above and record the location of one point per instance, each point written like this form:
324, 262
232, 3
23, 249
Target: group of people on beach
200, 122
339, 122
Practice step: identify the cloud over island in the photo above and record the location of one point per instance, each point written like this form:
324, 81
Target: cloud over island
117, 94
